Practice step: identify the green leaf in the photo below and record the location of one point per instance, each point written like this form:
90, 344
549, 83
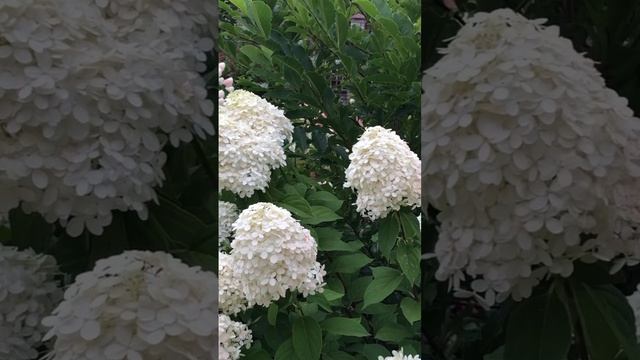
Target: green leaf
331, 295
330, 239
320, 214
261, 15
394, 332
408, 257
297, 205
607, 321
368, 7
325, 198
385, 281
241, 4
307, 338
349, 264
344, 326
538, 329
272, 314
388, 234
342, 29
410, 224
372, 351
410, 309
286, 352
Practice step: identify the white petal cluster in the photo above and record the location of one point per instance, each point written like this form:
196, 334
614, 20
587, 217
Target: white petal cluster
230, 296
634, 301
399, 355
225, 83
90, 92
384, 172
251, 136
28, 293
233, 337
272, 253
137, 305
227, 214
524, 147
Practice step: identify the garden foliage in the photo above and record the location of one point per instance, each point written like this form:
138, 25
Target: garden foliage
333, 80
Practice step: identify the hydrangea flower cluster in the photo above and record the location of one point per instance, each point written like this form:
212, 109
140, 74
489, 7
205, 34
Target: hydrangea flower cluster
251, 136
137, 305
233, 337
399, 355
230, 295
226, 83
227, 214
271, 254
90, 93
384, 172
28, 292
524, 148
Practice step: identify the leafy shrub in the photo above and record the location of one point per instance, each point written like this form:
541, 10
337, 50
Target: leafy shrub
332, 80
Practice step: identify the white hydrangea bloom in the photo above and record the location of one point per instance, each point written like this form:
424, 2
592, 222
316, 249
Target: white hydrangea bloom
227, 214
251, 136
234, 336
634, 301
523, 146
90, 93
28, 293
137, 305
230, 295
399, 355
273, 253
384, 172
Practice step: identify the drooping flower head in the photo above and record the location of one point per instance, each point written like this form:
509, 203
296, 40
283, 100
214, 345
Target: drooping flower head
28, 293
88, 99
234, 336
384, 172
272, 253
523, 146
137, 305
227, 214
252, 133
399, 355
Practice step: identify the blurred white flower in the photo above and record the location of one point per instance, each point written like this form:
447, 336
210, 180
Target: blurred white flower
524, 147
88, 99
272, 253
234, 336
399, 355
227, 214
28, 293
384, 172
137, 305
252, 133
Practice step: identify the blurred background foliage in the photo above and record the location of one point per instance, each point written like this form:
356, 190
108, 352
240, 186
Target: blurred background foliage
334, 67
600, 320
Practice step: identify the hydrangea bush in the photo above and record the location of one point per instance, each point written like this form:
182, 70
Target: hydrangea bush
318, 153
529, 157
